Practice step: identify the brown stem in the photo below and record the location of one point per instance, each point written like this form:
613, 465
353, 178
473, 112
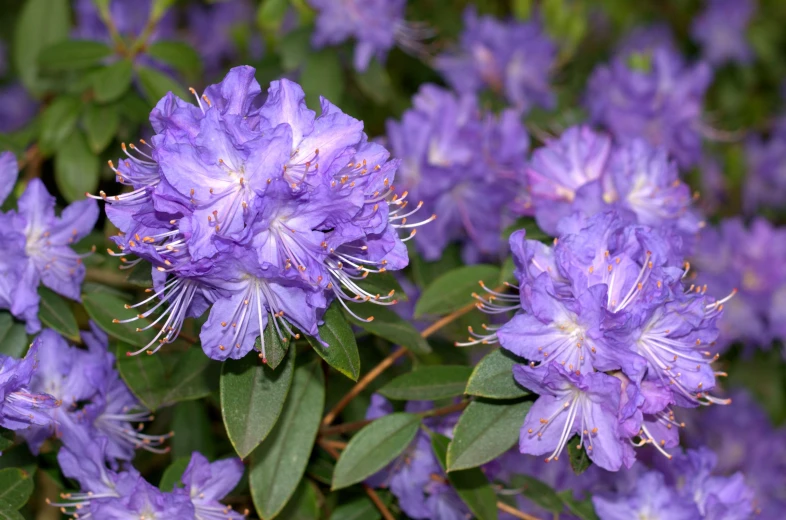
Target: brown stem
339, 445
352, 426
385, 363
502, 506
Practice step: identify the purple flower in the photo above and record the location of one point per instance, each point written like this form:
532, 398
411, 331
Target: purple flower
415, 477
207, 483
263, 210
96, 402
455, 160
21, 407
765, 184
650, 498
511, 58
571, 404
376, 25
17, 108
720, 30
660, 101
647, 38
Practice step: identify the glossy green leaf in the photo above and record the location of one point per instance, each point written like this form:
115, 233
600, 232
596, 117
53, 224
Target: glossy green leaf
6, 439
341, 351
373, 447
179, 55
55, 313
579, 460
471, 485
538, 492
156, 84
73, 54
359, 508
41, 23
9, 513
484, 432
304, 503
76, 168
193, 427
16, 486
582, 509
493, 377
105, 309
111, 82
100, 124
453, 290
428, 383
382, 284
275, 348
172, 474
278, 464
13, 338
390, 326
252, 396
57, 123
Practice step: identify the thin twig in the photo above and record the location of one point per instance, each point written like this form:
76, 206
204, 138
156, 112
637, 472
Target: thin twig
502, 506
339, 445
352, 426
385, 363
383, 509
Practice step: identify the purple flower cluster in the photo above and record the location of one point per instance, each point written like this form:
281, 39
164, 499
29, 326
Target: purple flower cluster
720, 30
585, 171
416, 478
751, 260
125, 494
653, 95
20, 407
263, 210
613, 337
17, 108
37, 246
689, 489
745, 441
765, 183
95, 401
513, 59
457, 160
376, 25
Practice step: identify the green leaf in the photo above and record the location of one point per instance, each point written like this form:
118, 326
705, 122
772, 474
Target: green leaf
73, 54
141, 275
493, 377
76, 168
375, 82
471, 485
252, 396
275, 348
172, 474
484, 432
453, 290
373, 447
9, 513
294, 47
360, 508
111, 82
13, 338
579, 460
164, 378
428, 383
57, 123
179, 55
389, 325
383, 283
341, 351
6, 439
271, 13
322, 76
507, 273
56, 314
278, 464
16, 486
304, 504
105, 309
41, 23
100, 123
193, 428
539, 493
583, 509
155, 85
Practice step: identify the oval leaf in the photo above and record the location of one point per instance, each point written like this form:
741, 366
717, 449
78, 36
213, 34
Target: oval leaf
179, 55
453, 290
16, 486
155, 84
471, 485
13, 338
101, 124
57, 122
111, 82
485, 431
252, 396
278, 464
428, 383
73, 54
493, 377
172, 474
275, 347
41, 23
389, 325
341, 351
76, 167
105, 308
373, 447
56, 314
